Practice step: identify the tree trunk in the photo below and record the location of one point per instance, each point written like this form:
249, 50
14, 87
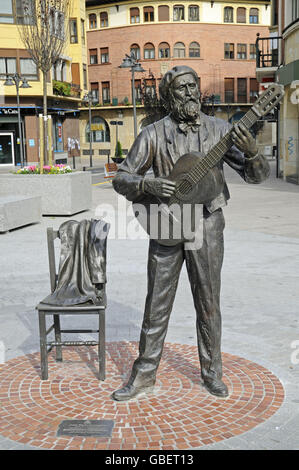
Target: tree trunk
45, 118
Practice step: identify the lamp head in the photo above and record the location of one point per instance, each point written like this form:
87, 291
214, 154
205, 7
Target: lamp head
126, 63
138, 68
8, 82
25, 84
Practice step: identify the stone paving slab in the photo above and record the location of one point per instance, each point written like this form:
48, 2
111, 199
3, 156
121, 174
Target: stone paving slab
260, 295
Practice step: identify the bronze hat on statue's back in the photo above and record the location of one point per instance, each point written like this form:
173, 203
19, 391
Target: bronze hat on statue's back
162, 146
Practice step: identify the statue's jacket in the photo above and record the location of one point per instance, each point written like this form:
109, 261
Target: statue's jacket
156, 147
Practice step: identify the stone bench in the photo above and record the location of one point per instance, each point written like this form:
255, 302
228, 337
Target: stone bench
16, 211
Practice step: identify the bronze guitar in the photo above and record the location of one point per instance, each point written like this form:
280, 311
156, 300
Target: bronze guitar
197, 178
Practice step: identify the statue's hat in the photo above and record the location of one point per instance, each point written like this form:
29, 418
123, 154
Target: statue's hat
171, 75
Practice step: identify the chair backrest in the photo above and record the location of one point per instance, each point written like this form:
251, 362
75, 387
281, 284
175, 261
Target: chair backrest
51, 236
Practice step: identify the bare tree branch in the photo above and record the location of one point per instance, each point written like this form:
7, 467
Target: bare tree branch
44, 33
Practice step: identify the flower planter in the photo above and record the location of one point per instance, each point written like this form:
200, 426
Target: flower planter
64, 194
118, 159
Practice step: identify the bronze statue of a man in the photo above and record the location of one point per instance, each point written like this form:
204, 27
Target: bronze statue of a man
159, 145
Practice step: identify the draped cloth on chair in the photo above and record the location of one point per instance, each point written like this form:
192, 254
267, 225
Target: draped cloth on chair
82, 265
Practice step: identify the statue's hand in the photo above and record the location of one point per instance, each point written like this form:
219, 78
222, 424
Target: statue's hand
244, 140
159, 187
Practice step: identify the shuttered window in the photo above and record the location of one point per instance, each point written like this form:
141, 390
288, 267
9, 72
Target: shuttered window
104, 55
104, 19
148, 14
252, 51
94, 91
242, 51
253, 15
134, 15
229, 50
241, 15
106, 92
163, 13
93, 55
229, 90
242, 90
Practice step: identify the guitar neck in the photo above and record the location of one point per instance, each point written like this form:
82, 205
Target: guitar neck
216, 153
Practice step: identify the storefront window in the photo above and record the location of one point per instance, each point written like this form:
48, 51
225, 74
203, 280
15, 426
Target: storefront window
6, 149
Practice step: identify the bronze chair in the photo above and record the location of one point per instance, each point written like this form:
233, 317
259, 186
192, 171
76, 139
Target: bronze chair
56, 311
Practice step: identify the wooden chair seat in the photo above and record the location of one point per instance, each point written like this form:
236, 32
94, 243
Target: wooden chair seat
58, 310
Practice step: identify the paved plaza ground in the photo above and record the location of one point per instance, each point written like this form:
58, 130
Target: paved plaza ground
260, 300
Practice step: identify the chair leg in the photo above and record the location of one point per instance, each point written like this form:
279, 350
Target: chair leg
57, 337
102, 346
43, 345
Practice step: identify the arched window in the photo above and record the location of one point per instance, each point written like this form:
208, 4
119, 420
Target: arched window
193, 13
241, 15
148, 14
100, 130
104, 19
136, 51
253, 15
178, 12
179, 50
164, 50
194, 49
163, 13
228, 15
134, 15
92, 21
149, 51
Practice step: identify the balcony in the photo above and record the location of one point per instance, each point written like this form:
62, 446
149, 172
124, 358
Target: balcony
267, 58
70, 90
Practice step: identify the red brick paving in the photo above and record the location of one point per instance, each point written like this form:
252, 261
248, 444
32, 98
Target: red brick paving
180, 414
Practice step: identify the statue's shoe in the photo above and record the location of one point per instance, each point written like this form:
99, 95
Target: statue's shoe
216, 387
129, 391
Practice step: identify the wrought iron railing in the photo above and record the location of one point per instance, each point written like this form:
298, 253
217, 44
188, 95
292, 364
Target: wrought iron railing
267, 51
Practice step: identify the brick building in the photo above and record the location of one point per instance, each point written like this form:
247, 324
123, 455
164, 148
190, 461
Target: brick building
216, 38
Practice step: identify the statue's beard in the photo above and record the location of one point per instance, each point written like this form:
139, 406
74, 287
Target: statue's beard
186, 111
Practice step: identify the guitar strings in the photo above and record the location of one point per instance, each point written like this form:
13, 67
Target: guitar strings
213, 157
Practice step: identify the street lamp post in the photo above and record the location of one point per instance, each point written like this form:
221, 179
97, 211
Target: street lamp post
88, 98
131, 62
16, 80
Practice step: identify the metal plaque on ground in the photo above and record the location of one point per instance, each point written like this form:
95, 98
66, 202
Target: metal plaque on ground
86, 428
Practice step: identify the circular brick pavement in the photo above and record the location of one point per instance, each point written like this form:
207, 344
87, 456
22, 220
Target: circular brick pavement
179, 414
